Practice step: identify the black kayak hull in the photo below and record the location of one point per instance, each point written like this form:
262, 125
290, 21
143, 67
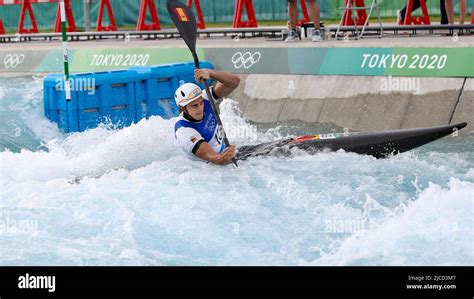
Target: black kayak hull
378, 144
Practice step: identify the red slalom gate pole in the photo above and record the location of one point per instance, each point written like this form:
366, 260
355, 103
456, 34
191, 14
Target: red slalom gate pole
305, 18
2, 30
423, 20
200, 23
112, 26
69, 17
361, 14
141, 24
26, 7
239, 6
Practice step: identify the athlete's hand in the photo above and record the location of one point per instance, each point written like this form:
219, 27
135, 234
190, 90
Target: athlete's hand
226, 157
202, 74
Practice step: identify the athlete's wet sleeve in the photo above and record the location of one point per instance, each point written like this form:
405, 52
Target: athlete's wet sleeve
188, 139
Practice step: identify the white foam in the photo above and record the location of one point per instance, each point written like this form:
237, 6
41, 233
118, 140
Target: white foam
98, 150
143, 202
435, 229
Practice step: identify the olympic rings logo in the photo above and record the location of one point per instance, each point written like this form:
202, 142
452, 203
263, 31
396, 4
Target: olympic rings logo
245, 60
13, 60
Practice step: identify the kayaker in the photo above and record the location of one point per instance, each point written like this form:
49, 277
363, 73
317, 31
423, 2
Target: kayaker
196, 129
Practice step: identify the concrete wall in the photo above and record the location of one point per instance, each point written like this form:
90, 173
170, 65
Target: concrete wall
465, 109
358, 103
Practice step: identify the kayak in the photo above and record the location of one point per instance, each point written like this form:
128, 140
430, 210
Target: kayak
381, 144
378, 144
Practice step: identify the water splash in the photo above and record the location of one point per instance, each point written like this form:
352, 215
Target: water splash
141, 201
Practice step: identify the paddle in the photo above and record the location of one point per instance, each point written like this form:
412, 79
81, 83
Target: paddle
185, 21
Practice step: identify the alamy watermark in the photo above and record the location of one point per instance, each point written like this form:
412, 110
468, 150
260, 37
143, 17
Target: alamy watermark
78, 84
10, 225
241, 132
400, 84
346, 226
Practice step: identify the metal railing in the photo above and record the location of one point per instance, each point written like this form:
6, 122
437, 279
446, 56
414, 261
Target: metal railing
126, 11
269, 32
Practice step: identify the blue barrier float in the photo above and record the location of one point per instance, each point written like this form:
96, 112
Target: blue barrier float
155, 90
95, 98
116, 97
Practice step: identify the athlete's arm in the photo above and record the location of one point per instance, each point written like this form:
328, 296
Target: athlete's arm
206, 152
226, 82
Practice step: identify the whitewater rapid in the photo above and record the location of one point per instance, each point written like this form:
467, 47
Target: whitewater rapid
132, 197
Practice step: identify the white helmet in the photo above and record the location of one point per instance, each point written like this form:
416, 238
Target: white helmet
187, 93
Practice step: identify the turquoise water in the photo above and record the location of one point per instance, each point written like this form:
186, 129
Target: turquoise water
131, 197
